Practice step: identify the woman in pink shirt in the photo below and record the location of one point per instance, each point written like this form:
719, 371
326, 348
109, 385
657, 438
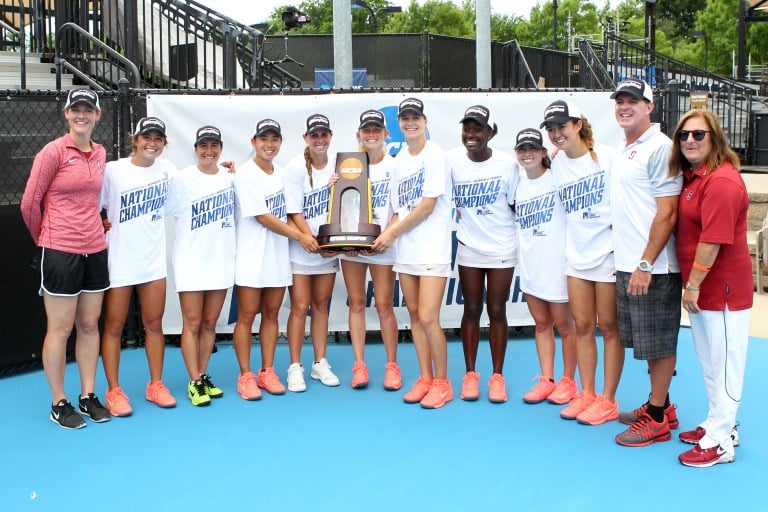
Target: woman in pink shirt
60, 207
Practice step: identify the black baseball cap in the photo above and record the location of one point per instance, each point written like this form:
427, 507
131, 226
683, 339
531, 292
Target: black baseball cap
85, 96
480, 114
267, 125
149, 124
412, 106
560, 112
372, 117
317, 122
208, 133
634, 87
529, 137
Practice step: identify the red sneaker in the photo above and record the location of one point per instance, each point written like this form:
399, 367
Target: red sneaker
645, 431
698, 457
629, 417
695, 435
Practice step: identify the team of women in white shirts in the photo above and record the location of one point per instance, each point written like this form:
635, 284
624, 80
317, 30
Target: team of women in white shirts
508, 215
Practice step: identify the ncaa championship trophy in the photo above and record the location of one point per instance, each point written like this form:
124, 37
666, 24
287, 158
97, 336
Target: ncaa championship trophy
350, 224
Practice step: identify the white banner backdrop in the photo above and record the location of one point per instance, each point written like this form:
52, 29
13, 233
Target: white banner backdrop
237, 115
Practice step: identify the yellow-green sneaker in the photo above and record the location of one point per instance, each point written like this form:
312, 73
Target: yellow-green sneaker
196, 393
210, 388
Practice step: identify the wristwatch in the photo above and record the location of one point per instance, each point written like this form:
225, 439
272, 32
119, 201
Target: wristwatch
645, 266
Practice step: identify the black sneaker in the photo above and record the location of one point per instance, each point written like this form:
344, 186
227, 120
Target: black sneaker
65, 416
210, 388
90, 406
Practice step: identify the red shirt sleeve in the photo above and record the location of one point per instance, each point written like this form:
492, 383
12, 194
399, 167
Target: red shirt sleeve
719, 211
44, 168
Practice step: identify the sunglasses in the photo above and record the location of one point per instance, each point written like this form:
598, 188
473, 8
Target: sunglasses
698, 135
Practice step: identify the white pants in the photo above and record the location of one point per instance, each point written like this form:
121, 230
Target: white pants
721, 339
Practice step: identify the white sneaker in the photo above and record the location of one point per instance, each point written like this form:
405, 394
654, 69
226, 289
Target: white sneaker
295, 378
321, 371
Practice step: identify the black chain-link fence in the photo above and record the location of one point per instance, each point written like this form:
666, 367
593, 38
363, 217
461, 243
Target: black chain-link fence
28, 122
388, 60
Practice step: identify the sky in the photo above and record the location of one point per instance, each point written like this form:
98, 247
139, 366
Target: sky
234, 8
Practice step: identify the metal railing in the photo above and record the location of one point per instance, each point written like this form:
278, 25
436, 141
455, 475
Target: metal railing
102, 67
592, 73
516, 67
19, 35
182, 44
674, 81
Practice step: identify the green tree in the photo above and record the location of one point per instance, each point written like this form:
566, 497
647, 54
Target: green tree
717, 20
435, 17
677, 18
584, 20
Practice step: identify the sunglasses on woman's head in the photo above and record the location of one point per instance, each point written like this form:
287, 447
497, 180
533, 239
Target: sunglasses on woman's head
698, 135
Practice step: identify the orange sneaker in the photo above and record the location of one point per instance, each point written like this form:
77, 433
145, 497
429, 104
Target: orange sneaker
159, 394
497, 389
393, 379
248, 387
270, 382
629, 417
469, 386
418, 391
564, 391
440, 393
576, 406
540, 391
599, 411
359, 375
117, 402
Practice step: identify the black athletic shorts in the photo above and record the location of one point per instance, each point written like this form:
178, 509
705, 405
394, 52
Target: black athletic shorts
66, 274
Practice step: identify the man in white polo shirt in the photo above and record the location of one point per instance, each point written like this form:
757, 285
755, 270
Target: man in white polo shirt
644, 196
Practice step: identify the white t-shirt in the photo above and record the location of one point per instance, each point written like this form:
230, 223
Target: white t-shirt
584, 190
541, 225
311, 199
204, 235
424, 175
639, 175
380, 175
262, 255
134, 198
483, 193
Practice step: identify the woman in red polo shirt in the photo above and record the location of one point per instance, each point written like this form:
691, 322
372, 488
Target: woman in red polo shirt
715, 263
